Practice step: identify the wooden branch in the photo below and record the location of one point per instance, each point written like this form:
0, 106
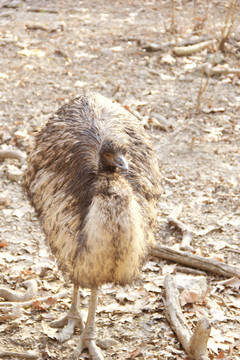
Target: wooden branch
220, 69
194, 261
187, 232
30, 293
13, 154
194, 343
19, 355
188, 270
192, 49
41, 299
199, 340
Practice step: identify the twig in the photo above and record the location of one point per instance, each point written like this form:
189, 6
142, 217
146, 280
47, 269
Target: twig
15, 296
199, 340
219, 298
42, 299
188, 270
233, 250
203, 88
226, 32
220, 69
195, 261
220, 46
192, 49
186, 231
195, 344
19, 355
173, 25
115, 91
13, 154
38, 10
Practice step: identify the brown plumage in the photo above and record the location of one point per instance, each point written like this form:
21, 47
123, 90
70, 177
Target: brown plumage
94, 181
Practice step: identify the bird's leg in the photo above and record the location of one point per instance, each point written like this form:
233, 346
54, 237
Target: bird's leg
71, 320
88, 336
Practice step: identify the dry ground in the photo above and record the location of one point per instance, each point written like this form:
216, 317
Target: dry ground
52, 51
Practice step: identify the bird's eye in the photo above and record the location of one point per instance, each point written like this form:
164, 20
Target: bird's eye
107, 155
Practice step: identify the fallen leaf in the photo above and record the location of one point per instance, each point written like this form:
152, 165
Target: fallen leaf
122, 297
3, 327
188, 296
47, 330
221, 355
31, 52
168, 269
152, 287
50, 301
38, 305
3, 244
233, 282
235, 302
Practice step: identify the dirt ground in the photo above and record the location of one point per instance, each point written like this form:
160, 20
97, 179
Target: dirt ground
51, 51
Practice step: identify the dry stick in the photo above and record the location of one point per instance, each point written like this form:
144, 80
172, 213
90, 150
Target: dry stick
225, 34
188, 270
41, 299
219, 70
19, 355
195, 344
13, 154
186, 231
173, 27
191, 49
194, 15
233, 250
195, 261
199, 340
202, 89
220, 46
29, 294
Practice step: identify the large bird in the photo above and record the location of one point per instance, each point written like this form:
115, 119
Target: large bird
94, 181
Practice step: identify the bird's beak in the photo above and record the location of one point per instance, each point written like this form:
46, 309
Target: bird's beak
120, 162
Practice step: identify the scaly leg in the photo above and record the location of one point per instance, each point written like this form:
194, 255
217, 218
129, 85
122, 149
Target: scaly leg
71, 320
88, 337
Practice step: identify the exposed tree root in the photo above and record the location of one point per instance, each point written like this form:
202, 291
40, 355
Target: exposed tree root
18, 355
21, 298
186, 230
192, 49
194, 343
195, 261
16, 296
13, 154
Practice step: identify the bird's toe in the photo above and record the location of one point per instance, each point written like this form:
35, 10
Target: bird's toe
90, 344
69, 322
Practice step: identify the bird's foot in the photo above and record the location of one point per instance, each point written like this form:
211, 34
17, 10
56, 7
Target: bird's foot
68, 323
90, 344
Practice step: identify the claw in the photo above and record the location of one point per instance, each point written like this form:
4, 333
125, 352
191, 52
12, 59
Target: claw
60, 323
68, 323
89, 344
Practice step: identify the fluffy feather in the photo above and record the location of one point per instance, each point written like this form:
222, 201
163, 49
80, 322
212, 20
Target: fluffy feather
99, 224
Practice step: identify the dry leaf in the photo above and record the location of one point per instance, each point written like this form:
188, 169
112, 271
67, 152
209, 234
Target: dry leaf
38, 305
3, 244
47, 330
233, 282
31, 52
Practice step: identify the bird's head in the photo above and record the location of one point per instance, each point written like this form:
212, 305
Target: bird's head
112, 157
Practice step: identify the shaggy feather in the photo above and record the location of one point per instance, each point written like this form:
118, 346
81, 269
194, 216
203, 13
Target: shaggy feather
99, 224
